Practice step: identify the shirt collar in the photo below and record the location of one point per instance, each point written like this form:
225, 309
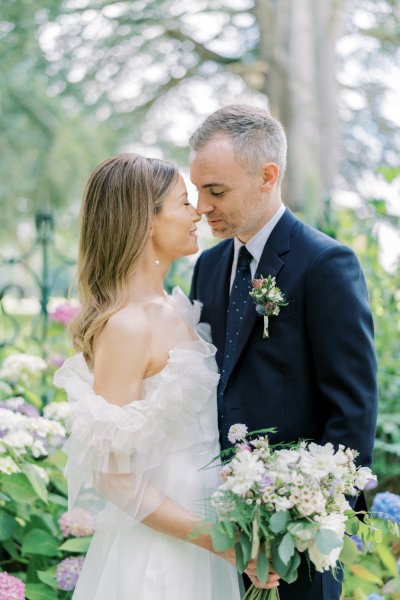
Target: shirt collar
256, 244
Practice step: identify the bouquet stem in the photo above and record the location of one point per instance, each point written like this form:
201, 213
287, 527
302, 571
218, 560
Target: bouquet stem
255, 593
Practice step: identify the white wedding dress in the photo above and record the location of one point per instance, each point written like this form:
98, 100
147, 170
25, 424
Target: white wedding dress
137, 455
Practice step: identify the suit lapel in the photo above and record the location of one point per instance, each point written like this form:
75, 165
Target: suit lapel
270, 263
221, 299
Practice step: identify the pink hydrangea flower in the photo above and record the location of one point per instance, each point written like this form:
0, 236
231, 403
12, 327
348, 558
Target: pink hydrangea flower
11, 588
68, 571
76, 523
64, 313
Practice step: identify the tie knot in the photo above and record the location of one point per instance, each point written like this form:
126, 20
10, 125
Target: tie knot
244, 258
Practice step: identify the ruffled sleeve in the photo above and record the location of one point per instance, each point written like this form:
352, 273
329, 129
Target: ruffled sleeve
113, 451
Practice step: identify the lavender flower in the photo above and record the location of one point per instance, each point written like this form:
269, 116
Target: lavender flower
68, 571
11, 588
77, 523
386, 506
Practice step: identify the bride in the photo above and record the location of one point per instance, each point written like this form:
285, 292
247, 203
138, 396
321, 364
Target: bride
142, 393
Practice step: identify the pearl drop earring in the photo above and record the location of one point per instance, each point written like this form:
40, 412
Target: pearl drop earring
156, 261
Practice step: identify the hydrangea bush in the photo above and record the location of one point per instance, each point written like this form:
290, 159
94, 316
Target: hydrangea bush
42, 546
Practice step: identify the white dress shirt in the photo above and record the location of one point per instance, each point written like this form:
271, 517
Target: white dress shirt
256, 244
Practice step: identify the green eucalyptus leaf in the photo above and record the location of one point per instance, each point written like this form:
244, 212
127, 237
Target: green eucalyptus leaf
327, 540
240, 562
279, 521
286, 548
220, 539
294, 564
262, 567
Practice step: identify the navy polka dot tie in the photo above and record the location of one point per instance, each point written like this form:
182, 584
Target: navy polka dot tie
238, 298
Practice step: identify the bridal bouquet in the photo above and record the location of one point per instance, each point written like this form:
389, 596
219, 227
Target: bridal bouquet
275, 504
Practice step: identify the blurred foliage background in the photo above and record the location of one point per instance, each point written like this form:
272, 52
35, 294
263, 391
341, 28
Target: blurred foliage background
85, 79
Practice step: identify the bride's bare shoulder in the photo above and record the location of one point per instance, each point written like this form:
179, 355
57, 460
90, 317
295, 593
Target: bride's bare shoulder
126, 330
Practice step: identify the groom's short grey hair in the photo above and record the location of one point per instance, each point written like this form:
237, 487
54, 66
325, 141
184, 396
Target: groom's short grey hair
256, 136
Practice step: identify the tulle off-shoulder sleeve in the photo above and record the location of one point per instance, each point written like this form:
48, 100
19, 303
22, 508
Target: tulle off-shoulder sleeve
114, 453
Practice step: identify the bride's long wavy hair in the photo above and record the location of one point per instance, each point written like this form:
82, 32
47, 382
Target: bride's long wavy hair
120, 199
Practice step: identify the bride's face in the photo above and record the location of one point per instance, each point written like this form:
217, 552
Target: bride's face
174, 227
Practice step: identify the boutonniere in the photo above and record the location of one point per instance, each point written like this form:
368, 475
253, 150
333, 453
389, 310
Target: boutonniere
268, 299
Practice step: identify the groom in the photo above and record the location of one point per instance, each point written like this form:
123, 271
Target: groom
314, 377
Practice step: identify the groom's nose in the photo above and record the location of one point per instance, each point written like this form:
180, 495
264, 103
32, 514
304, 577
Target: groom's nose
204, 205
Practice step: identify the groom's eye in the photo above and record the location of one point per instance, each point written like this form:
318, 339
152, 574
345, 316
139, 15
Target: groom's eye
217, 193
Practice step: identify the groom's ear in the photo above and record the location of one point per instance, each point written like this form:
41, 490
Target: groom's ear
270, 174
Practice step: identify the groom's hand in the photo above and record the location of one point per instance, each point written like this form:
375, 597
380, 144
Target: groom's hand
273, 578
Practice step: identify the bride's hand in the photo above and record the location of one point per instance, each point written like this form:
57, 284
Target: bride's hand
251, 571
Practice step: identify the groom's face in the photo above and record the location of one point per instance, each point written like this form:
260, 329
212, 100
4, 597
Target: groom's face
228, 194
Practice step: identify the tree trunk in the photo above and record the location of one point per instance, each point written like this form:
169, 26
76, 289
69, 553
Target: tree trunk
297, 43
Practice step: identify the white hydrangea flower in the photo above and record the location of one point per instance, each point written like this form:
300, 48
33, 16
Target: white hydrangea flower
11, 420
8, 466
44, 427
237, 433
311, 501
19, 440
246, 471
59, 411
335, 522
22, 368
38, 449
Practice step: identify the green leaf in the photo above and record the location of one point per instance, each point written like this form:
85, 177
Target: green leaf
36, 481
352, 526
39, 591
7, 525
245, 543
19, 488
48, 577
327, 540
279, 521
38, 541
262, 567
286, 548
280, 567
220, 539
58, 480
294, 564
388, 559
240, 563
82, 544
349, 551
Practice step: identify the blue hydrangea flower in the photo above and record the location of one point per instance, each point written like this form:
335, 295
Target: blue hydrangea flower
358, 542
386, 506
375, 597
260, 309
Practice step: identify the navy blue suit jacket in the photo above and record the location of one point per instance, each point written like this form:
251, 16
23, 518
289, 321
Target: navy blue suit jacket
315, 376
